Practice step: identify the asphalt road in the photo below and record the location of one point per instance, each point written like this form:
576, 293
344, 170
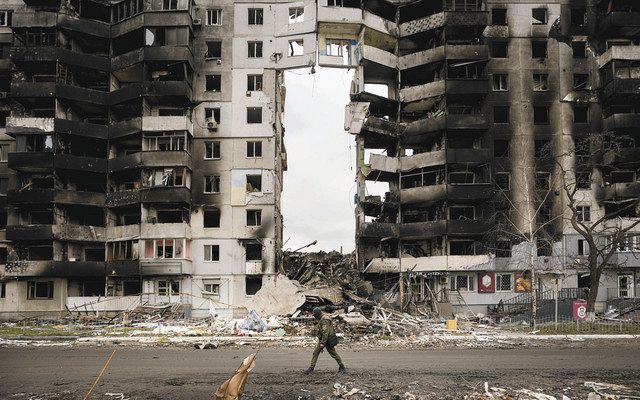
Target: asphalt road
46, 373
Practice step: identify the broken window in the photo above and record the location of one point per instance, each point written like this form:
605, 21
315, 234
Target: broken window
252, 284
211, 287
583, 247
583, 180
166, 141
579, 49
214, 49
254, 83
254, 115
503, 180
539, 16
254, 183
165, 248
254, 49
542, 148
583, 213
39, 290
211, 218
461, 177
213, 83
540, 115
580, 81
5, 18
296, 47
254, 149
498, 49
256, 16
169, 4
211, 252
461, 282
501, 148
544, 248
462, 212
578, 17
214, 16
540, 82
212, 184
212, 113
296, 14
337, 47
499, 16
580, 114
539, 49
543, 181
501, 115
38, 143
504, 282
212, 150
168, 288
503, 248
254, 252
122, 250
3, 290
254, 217
500, 82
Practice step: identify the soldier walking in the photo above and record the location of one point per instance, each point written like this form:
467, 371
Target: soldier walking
326, 339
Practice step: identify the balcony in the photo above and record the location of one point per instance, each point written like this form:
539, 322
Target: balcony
58, 196
123, 198
619, 53
481, 262
102, 304
445, 18
620, 90
443, 122
47, 90
24, 55
150, 124
152, 91
171, 54
620, 23
621, 121
48, 125
431, 194
339, 15
31, 162
165, 194
65, 232
34, 19
160, 231
152, 19
55, 269
408, 163
123, 232
378, 63
119, 268
624, 156
150, 159
446, 52
165, 267
621, 191
448, 86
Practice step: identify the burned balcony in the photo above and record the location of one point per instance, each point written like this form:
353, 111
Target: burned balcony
428, 159
150, 124
57, 269
25, 55
627, 156
153, 54
474, 86
58, 196
619, 121
466, 121
22, 90
156, 22
151, 159
621, 23
163, 194
460, 17
445, 52
427, 195
617, 192
29, 125
621, 82
165, 267
64, 232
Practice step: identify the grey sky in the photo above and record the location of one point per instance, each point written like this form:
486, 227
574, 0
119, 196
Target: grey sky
319, 186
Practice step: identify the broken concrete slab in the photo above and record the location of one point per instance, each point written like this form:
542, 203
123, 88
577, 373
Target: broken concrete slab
279, 295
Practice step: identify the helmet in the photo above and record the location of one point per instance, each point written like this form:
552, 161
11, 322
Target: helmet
317, 312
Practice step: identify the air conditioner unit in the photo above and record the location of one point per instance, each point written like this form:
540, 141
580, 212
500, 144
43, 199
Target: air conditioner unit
211, 123
197, 22
248, 93
443, 279
219, 61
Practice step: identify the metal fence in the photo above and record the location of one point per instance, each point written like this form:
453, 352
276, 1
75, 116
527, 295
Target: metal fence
566, 324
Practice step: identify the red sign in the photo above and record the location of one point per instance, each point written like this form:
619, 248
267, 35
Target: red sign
486, 282
579, 310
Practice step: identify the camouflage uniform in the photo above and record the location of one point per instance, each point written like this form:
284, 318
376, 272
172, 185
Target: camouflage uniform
325, 329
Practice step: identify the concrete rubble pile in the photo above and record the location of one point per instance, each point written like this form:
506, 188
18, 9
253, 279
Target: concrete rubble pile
595, 391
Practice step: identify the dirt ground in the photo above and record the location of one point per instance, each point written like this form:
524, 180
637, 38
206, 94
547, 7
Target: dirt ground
47, 373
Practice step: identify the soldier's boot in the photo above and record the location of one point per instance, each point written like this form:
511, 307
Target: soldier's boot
308, 370
342, 369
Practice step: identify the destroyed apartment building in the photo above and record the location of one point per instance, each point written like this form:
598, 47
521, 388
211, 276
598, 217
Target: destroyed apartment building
142, 149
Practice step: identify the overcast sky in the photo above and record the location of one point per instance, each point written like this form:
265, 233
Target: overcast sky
317, 201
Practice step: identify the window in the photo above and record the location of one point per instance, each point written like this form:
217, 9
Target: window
462, 248
503, 248
166, 248
540, 82
3, 290
461, 177
296, 15
501, 148
212, 150
254, 183
461, 282
122, 250
580, 81
166, 141
254, 149
540, 115
211, 252
37, 143
211, 218
501, 114
583, 247
296, 47
254, 49
542, 181
39, 290
5, 18
543, 247
539, 16
169, 4
254, 115
211, 287
335, 3
252, 284
580, 114
212, 184
578, 17
462, 212
542, 148
256, 16
168, 288
499, 16
212, 113
500, 82
214, 17
539, 49
579, 49
503, 180
213, 83
254, 83
337, 47
498, 49
254, 252
583, 180
583, 213
504, 282
254, 217
214, 49
4, 152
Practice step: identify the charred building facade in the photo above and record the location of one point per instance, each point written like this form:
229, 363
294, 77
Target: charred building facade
480, 100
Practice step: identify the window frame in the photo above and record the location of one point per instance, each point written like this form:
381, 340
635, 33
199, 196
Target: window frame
499, 278
208, 253
453, 282
255, 49
503, 82
258, 17
298, 15
536, 21
256, 147
168, 287
213, 283
254, 82
257, 220
540, 82
583, 213
210, 147
214, 182
218, 17
32, 290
